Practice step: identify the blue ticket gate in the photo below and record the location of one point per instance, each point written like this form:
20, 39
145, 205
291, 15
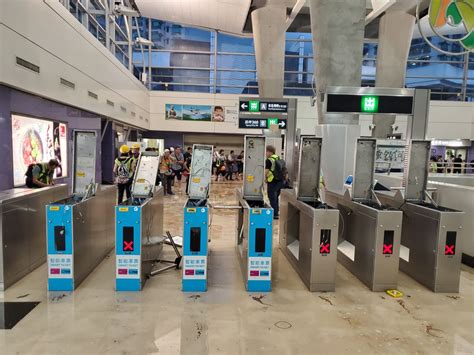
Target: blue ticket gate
139, 228
196, 221
79, 228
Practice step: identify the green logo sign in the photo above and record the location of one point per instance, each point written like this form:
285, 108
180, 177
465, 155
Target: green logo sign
272, 121
369, 104
254, 106
448, 15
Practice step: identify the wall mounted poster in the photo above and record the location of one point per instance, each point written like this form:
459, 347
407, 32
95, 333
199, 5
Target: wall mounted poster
37, 141
173, 112
195, 113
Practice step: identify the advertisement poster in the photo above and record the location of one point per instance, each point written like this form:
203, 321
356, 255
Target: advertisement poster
37, 141
197, 113
173, 112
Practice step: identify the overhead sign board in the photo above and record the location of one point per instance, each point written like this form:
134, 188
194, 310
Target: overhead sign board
262, 123
372, 104
258, 106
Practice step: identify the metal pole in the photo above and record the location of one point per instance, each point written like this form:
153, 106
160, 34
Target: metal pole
464, 82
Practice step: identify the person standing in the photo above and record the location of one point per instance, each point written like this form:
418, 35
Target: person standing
188, 153
177, 162
274, 175
166, 173
41, 174
457, 162
124, 169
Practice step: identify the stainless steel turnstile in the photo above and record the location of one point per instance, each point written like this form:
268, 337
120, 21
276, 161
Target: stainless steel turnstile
254, 232
309, 227
22, 230
369, 243
431, 234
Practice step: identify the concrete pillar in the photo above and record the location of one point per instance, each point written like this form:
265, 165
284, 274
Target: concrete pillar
338, 38
395, 35
269, 28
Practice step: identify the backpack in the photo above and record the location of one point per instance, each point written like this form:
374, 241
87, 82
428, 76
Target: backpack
123, 173
279, 171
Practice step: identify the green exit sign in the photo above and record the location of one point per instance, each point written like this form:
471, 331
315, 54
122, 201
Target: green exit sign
369, 104
254, 106
272, 121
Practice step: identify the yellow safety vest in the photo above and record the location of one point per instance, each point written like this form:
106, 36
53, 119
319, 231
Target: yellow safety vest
270, 175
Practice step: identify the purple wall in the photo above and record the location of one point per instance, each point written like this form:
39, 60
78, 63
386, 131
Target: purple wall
173, 139
470, 152
14, 101
438, 150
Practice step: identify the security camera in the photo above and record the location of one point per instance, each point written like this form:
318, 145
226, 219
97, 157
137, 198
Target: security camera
120, 9
394, 128
371, 127
143, 41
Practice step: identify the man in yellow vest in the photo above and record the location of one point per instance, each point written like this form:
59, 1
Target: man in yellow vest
275, 176
41, 174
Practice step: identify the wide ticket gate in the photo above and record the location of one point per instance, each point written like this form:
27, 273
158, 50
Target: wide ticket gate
139, 228
79, 227
308, 227
196, 221
254, 221
431, 234
369, 242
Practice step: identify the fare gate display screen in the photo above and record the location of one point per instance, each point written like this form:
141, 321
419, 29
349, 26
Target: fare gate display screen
369, 104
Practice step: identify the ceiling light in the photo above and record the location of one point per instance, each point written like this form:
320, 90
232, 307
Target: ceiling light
143, 41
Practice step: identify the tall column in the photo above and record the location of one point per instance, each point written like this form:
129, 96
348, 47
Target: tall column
269, 28
395, 35
338, 37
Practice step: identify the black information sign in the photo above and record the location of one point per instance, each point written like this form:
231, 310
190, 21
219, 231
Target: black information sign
257, 106
261, 123
369, 104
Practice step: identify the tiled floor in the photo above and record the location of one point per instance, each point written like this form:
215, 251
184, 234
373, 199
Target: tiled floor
227, 320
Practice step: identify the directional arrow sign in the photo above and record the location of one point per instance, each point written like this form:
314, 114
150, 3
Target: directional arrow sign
282, 124
244, 105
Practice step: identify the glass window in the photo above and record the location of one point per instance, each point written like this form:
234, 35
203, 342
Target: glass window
236, 62
232, 44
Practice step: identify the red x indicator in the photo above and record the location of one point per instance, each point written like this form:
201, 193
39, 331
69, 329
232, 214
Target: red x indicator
127, 246
387, 249
324, 248
449, 249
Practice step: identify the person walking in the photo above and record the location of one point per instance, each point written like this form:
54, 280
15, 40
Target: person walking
166, 173
177, 162
274, 173
124, 169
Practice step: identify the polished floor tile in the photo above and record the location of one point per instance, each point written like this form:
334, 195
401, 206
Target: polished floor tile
227, 320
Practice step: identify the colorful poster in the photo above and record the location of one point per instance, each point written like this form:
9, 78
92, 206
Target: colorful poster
37, 141
197, 113
200, 113
218, 114
173, 112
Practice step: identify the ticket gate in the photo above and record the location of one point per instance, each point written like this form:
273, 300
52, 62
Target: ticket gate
309, 227
431, 234
79, 227
196, 221
139, 227
369, 244
254, 220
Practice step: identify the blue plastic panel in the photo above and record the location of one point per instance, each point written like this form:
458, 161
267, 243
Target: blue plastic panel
259, 268
195, 248
128, 248
60, 247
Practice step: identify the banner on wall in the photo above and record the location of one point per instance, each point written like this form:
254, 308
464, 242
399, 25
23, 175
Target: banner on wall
37, 141
203, 113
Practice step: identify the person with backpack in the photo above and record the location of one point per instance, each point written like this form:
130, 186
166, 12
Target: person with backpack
41, 174
124, 169
275, 169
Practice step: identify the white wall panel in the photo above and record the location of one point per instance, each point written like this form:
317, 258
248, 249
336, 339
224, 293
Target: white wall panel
46, 34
